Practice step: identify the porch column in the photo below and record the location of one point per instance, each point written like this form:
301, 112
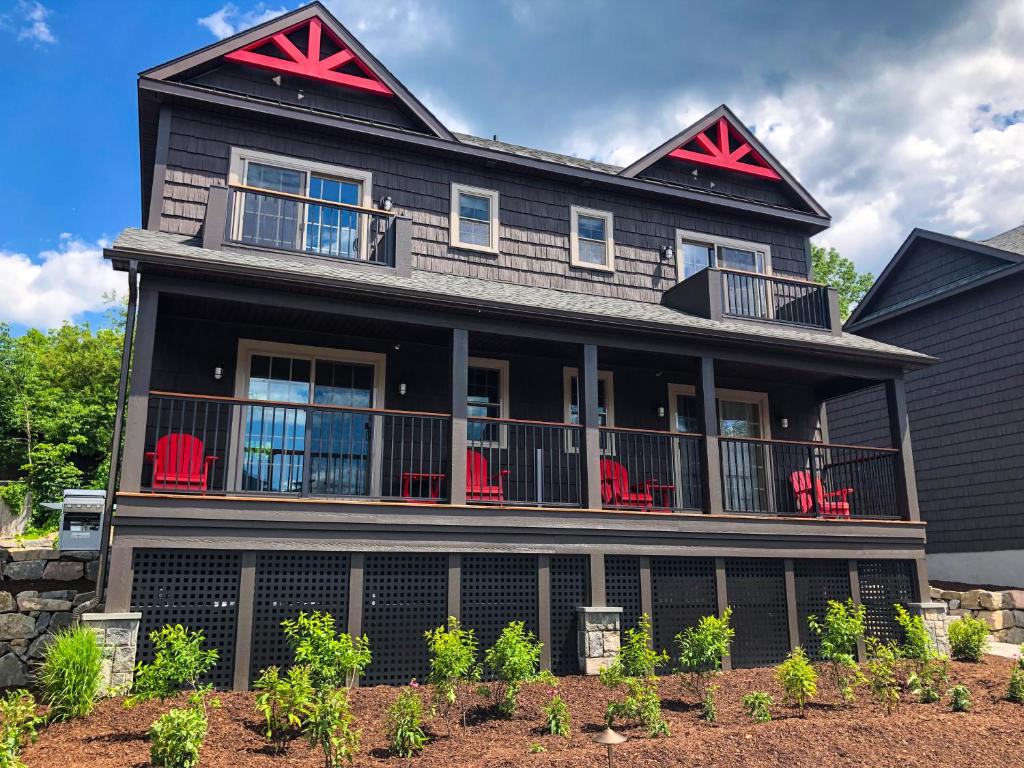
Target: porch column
590, 434
137, 411
707, 409
460, 385
899, 430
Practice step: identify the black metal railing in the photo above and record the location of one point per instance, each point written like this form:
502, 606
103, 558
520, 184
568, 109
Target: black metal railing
530, 463
650, 470
765, 297
288, 222
228, 445
808, 479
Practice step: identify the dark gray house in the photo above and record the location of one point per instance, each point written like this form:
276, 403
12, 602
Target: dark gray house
963, 302
397, 373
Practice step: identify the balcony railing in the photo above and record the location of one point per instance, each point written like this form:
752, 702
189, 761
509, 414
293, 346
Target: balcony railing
766, 297
650, 470
221, 445
516, 462
808, 479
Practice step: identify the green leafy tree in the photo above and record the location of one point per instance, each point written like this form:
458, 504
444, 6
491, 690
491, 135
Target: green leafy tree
883, 673
701, 650
329, 727
284, 702
634, 672
453, 666
839, 631
334, 659
514, 660
798, 679
829, 267
179, 662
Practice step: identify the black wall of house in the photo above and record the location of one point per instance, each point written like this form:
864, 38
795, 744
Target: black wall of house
966, 415
724, 182
534, 211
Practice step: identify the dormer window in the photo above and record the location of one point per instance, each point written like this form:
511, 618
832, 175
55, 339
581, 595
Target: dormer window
591, 242
474, 218
698, 251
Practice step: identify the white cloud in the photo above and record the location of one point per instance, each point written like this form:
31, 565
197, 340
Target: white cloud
450, 117
31, 20
933, 139
58, 284
229, 19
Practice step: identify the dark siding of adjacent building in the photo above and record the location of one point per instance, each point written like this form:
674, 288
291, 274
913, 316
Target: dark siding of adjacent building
966, 414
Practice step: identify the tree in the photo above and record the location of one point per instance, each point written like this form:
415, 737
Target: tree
831, 268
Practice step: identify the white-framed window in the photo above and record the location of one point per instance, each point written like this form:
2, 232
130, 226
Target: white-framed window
292, 223
696, 251
487, 397
474, 218
591, 239
740, 413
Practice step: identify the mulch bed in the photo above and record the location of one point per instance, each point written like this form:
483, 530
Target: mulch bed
916, 735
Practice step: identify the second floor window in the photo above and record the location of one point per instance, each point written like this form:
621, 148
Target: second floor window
591, 242
474, 218
697, 251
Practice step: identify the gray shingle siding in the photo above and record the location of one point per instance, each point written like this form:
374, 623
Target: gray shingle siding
680, 172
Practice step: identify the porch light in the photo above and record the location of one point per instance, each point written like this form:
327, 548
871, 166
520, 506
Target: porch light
784, 422
387, 203
661, 411
401, 388
667, 252
218, 373
609, 738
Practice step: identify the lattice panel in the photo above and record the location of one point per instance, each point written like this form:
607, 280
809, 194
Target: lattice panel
817, 582
569, 590
682, 591
497, 589
883, 583
196, 589
622, 587
287, 583
403, 596
757, 596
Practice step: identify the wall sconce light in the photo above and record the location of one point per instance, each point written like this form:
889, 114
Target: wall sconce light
387, 203
784, 422
402, 388
661, 411
667, 252
218, 373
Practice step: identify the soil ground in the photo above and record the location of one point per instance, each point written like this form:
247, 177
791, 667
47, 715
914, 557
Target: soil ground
828, 737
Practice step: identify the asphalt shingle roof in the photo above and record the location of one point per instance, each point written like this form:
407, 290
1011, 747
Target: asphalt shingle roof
538, 154
1012, 240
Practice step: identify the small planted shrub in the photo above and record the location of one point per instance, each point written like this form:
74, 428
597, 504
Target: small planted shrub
709, 705
701, 650
917, 643
70, 673
179, 662
960, 698
176, 738
18, 724
633, 671
798, 679
453, 667
968, 638
928, 679
1016, 692
284, 702
537, 749
514, 661
405, 724
758, 706
839, 631
883, 673
334, 659
557, 720
329, 727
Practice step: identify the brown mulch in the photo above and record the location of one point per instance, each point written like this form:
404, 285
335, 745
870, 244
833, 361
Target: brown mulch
917, 735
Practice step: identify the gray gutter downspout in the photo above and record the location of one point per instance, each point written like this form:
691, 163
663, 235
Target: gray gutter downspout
115, 442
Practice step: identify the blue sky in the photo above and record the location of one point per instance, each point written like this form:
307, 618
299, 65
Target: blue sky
894, 115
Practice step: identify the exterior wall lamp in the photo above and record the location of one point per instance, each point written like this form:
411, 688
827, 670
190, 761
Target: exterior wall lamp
387, 203
218, 373
784, 422
661, 411
402, 388
667, 252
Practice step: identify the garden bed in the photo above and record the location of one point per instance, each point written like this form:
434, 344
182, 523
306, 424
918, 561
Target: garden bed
916, 735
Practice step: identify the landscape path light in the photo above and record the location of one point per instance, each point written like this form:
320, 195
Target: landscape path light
609, 738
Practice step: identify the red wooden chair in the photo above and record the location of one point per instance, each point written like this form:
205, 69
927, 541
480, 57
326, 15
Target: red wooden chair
615, 489
478, 479
179, 463
833, 504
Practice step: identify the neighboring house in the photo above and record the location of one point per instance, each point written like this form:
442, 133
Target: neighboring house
962, 302
398, 374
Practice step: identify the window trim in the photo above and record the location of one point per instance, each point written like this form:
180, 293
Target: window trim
715, 242
571, 446
575, 212
501, 366
735, 395
494, 199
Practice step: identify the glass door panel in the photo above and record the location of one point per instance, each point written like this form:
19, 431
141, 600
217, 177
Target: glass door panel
689, 461
275, 435
744, 464
330, 231
271, 221
341, 441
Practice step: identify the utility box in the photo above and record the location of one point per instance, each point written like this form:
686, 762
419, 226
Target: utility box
81, 520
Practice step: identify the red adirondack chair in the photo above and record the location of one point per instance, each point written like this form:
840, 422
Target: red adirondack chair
478, 479
179, 463
832, 504
616, 491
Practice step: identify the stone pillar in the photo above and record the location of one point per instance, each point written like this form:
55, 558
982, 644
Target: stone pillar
118, 636
936, 621
598, 637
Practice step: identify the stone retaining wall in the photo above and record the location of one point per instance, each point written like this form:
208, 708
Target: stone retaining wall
1002, 610
39, 589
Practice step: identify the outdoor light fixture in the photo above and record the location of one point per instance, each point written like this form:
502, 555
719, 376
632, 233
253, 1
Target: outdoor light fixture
784, 422
667, 252
661, 411
387, 203
609, 738
218, 373
401, 388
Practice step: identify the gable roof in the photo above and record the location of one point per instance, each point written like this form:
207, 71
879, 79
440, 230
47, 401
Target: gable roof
314, 12
1005, 261
764, 164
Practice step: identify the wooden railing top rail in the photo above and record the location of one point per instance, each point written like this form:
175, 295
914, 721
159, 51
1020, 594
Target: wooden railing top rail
777, 278
286, 404
666, 432
310, 200
535, 422
808, 443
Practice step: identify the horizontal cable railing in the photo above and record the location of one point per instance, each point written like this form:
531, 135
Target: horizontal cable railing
202, 444
808, 479
650, 470
767, 297
529, 463
283, 221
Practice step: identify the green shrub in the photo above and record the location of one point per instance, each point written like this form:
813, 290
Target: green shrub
18, 724
179, 662
927, 680
708, 704
960, 698
839, 631
883, 673
638, 657
514, 660
405, 724
701, 650
537, 749
917, 644
284, 703
329, 727
1016, 692
453, 667
634, 671
968, 638
557, 720
758, 706
70, 673
798, 679
335, 660
177, 737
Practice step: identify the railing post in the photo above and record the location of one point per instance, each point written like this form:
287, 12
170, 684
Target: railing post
590, 433
711, 464
460, 385
899, 430
812, 462
216, 220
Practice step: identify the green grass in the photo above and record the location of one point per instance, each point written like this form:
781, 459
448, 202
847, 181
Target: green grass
70, 674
